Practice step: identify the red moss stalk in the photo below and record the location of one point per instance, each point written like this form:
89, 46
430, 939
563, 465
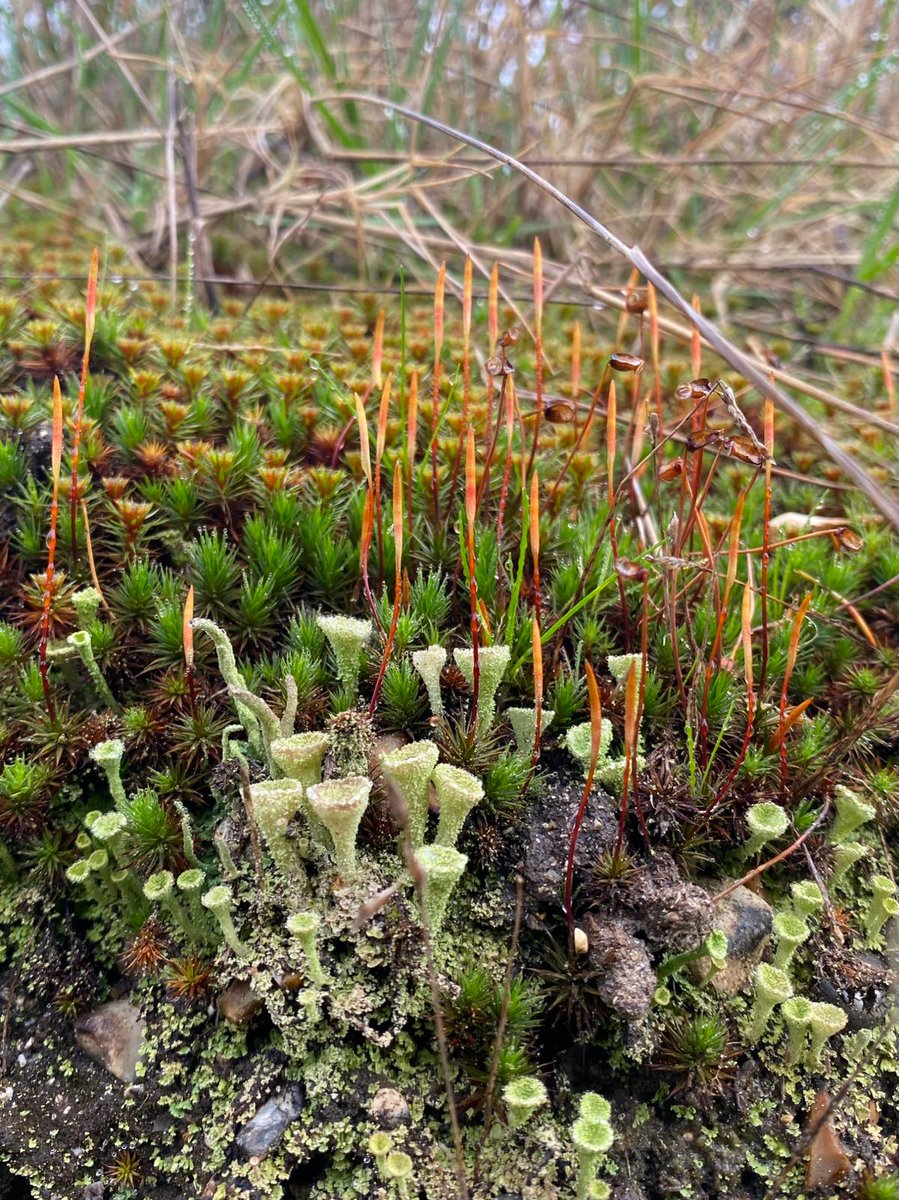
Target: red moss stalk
538, 349
471, 511
90, 316
435, 398
47, 598
595, 732
766, 539
746, 613
792, 652
397, 582
380, 442
411, 438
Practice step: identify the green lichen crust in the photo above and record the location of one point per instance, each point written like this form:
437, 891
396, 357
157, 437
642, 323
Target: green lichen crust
492, 663
339, 805
458, 792
348, 638
442, 867
299, 756
410, 768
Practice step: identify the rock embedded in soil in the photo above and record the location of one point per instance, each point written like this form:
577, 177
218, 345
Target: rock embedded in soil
859, 982
746, 920
238, 1003
266, 1127
389, 1108
675, 915
113, 1036
625, 979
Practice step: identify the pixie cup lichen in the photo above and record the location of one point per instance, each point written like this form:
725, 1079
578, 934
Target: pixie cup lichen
218, 900
578, 743
108, 755
458, 792
347, 637
524, 726
796, 1012
791, 931
772, 987
825, 1021
304, 926
492, 663
767, 822
882, 907
592, 1140
807, 897
410, 768
845, 856
522, 1097
851, 813
275, 804
339, 805
429, 663
398, 1168
441, 868
82, 644
299, 756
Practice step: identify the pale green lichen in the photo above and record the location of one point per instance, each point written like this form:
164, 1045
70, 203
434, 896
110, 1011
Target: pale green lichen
882, 907
339, 804
108, 755
275, 804
82, 644
442, 867
796, 1012
772, 987
522, 1097
429, 663
592, 1140
825, 1021
767, 822
791, 931
492, 663
410, 769
347, 637
299, 756
851, 813
524, 726
807, 897
304, 926
218, 900
845, 856
458, 792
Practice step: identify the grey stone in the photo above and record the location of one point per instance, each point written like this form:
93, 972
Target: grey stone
624, 978
389, 1108
266, 1127
113, 1036
746, 920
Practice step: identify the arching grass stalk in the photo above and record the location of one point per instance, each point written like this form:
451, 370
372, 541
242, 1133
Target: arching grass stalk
746, 612
397, 581
47, 597
538, 349
771, 862
435, 395
595, 735
792, 652
90, 316
471, 512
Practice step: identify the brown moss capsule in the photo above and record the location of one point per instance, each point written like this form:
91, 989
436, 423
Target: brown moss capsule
510, 337
626, 362
559, 412
636, 302
672, 469
847, 539
631, 570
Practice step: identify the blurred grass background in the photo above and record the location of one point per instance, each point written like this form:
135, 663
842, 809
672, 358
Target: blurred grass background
750, 148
